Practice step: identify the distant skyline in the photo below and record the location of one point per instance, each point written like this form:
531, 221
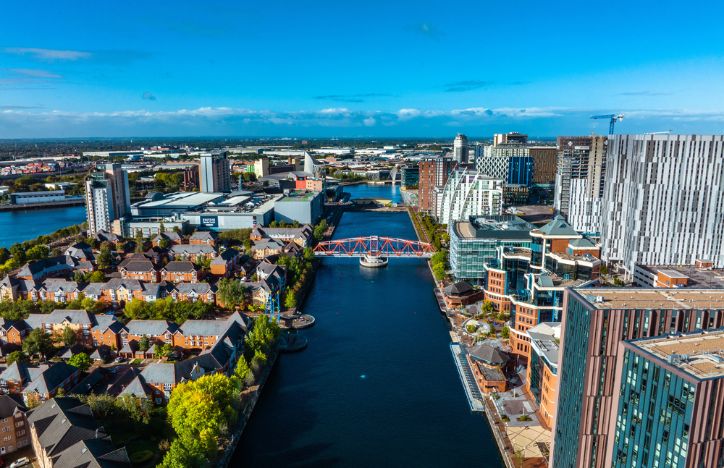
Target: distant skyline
358, 69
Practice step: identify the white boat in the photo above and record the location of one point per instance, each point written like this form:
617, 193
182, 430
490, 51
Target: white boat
373, 262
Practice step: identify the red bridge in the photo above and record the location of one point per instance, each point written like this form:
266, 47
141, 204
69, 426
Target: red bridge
374, 246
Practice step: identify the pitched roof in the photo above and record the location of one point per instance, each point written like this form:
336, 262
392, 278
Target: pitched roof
489, 354
193, 249
51, 378
180, 267
93, 453
202, 235
9, 406
140, 266
62, 422
196, 288
558, 226
219, 327
458, 289
150, 327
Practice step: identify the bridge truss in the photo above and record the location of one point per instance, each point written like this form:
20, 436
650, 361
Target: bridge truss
374, 246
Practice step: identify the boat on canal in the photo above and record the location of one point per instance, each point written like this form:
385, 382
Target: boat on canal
369, 261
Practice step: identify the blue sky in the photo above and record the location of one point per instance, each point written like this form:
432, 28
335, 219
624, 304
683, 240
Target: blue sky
350, 68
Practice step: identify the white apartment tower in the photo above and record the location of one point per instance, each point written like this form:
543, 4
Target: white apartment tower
663, 202
107, 197
580, 181
470, 193
214, 172
461, 149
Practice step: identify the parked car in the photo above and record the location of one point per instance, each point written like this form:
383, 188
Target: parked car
20, 462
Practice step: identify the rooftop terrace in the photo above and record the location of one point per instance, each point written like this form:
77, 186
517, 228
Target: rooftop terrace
699, 354
640, 298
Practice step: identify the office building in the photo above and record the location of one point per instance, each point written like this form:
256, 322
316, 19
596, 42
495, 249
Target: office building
529, 282
214, 172
475, 243
669, 402
512, 163
469, 193
510, 137
410, 177
541, 381
107, 197
434, 173
461, 149
595, 322
663, 200
579, 181
544, 163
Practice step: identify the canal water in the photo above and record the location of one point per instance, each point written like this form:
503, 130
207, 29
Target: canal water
377, 385
19, 226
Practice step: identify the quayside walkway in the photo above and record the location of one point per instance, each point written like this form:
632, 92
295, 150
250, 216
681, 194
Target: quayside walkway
475, 399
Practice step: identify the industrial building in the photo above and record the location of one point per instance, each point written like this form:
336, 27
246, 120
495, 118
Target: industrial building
302, 207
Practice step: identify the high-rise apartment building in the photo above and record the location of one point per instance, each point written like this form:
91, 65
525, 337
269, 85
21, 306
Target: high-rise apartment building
461, 149
663, 200
469, 193
580, 181
510, 137
410, 177
107, 197
214, 172
595, 322
433, 177
669, 402
544, 163
512, 163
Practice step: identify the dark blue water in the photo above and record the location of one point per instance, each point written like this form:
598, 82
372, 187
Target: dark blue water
377, 385
375, 191
19, 226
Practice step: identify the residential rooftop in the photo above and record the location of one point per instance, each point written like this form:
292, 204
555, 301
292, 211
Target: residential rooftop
643, 298
494, 227
697, 277
699, 354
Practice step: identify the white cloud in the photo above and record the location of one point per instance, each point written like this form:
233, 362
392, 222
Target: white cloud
369, 122
48, 54
33, 73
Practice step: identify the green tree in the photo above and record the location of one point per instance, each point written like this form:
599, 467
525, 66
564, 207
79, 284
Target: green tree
97, 277
135, 408
178, 456
290, 300
81, 361
37, 342
200, 411
243, 371
319, 230
505, 332
4, 255
69, 336
18, 253
16, 356
143, 344
231, 292
38, 252
104, 257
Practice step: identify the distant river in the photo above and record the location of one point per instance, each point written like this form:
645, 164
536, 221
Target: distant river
377, 385
19, 226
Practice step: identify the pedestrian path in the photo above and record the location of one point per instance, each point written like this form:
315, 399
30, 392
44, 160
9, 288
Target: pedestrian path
475, 399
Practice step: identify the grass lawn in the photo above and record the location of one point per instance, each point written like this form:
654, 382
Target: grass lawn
136, 362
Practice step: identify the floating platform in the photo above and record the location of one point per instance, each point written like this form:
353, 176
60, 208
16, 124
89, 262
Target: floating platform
293, 343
